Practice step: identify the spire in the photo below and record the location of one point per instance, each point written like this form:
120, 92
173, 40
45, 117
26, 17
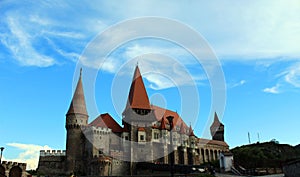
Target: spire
216, 122
182, 129
191, 132
78, 102
217, 129
163, 124
138, 97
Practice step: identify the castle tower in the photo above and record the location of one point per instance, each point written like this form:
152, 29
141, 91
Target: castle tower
138, 110
76, 121
138, 115
217, 129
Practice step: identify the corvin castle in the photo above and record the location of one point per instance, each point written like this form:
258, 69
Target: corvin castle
103, 147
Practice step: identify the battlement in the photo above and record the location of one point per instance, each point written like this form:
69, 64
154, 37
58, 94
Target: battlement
44, 153
10, 163
98, 130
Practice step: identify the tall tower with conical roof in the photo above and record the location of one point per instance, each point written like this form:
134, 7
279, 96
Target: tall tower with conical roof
138, 115
217, 129
138, 110
76, 121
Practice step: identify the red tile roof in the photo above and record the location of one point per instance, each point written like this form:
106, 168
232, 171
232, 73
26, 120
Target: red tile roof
138, 97
164, 113
212, 142
182, 129
163, 124
141, 129
78, 101
105, 120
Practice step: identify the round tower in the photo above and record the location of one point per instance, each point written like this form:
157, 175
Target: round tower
76, 121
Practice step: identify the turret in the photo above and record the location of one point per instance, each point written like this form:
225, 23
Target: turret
76, 121
138, 109
217, 129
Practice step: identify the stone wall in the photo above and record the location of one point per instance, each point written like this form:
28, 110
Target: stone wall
52, 162
9, 168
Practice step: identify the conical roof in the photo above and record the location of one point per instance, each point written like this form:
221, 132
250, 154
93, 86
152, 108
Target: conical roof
163, 124
182, 129
216, 122
138, 97
191, 132
77, 105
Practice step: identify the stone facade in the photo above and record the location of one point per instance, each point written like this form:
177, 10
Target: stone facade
12, 169
103, 147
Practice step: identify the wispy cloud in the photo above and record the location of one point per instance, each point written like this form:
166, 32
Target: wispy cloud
30, 154
240, 83
292, 75
19, 44
273, 90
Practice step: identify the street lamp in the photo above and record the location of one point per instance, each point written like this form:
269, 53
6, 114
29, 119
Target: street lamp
170, 119
1, 149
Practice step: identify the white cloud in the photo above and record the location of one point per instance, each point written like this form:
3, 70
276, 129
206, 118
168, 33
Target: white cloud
19, 44
30, 154
240, 83
240, 30
293, 75
274, 90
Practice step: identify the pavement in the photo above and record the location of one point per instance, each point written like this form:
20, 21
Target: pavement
227, 175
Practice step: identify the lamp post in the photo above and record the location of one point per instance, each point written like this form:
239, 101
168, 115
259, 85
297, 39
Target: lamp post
170, 119
1, 149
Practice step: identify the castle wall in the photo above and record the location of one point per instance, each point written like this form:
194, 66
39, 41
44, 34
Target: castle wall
52, 162
98, 141
8, 167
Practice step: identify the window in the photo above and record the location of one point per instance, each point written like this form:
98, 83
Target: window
126, 138
156, 135
142, 138
100, 151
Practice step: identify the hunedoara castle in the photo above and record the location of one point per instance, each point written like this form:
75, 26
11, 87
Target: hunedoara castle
103, 147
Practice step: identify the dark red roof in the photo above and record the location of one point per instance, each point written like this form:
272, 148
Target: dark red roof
105, 120
78, 101
125, 128
161, 113
163, 124
216, 122
182, 129
191, 132
141, 129
138, 97
212, 142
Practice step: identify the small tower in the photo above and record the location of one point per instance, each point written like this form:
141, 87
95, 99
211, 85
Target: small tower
76, 121
217, 129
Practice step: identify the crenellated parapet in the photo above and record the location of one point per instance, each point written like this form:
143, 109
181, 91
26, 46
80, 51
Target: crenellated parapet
10, 167
10, 164
45, 153
97, 131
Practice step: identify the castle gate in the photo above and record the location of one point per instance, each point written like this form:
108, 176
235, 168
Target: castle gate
15, 172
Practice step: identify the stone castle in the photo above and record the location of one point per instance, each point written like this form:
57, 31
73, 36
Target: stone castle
103, 147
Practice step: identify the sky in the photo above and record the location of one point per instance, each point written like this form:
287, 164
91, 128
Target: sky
253, 48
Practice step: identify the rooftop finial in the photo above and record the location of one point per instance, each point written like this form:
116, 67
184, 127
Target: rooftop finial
80, 72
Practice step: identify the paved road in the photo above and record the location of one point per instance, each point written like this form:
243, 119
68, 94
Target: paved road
225, 175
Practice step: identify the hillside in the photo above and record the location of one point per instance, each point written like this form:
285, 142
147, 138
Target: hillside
268, 154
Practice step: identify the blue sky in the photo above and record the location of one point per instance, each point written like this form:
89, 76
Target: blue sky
257, 45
